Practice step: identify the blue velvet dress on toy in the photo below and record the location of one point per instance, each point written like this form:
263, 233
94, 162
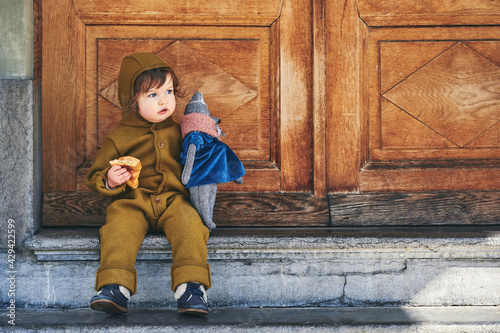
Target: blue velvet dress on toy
214, 161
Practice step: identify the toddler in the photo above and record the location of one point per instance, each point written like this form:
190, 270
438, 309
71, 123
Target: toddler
147, 88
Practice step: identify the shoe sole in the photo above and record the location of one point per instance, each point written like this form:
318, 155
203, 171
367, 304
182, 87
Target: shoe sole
107, 306
196, 312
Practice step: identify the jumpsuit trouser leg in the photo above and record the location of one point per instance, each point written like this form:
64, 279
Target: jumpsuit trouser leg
121, 238
125, 229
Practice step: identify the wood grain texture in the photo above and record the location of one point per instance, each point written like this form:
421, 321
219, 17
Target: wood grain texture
270, 209
323, 94
490, 49
447, 176
301, 210
231, 209
274, 94
454, 115
296, 96
236, 91
399, 60
319, 95
415, 209
457, 94
74, 208
169, 12
449, 88
390, 154
63, 78
489, 138
378, 13
399, 130
343, 106
230, 89
396, 55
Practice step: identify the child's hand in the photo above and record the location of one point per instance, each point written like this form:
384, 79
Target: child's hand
117, 175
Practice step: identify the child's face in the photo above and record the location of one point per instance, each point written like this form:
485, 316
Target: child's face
157, 104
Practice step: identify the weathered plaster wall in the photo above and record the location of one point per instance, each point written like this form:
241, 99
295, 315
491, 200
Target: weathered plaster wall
16, 39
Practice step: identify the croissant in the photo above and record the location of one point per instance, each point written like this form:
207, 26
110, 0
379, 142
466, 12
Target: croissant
133, 165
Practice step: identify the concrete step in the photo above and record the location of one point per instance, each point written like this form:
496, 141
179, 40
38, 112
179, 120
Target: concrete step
474, 319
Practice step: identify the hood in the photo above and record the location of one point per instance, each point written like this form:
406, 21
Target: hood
132, 66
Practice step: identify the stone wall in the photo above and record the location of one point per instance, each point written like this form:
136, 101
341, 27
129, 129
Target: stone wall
19, 173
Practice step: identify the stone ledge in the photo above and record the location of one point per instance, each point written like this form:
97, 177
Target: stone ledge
367, 319
290, 243
285, 267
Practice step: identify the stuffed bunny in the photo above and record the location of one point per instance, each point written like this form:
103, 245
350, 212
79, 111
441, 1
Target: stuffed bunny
207, 161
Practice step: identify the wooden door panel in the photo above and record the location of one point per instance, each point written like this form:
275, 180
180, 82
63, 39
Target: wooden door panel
235, 87
455, 94
231, 98
435, 95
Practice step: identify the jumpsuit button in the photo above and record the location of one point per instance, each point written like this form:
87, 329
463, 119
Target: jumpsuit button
161, 145
158, 201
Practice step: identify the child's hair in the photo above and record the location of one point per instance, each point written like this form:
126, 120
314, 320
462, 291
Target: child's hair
153, 78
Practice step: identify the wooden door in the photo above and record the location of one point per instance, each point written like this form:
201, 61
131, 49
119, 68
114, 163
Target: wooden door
370, 102
243, 56
413, 109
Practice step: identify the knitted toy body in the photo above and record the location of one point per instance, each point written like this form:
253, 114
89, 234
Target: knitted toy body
207, 160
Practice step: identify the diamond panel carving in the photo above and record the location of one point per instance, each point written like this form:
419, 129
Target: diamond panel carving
230, 73
221, 91
457, 94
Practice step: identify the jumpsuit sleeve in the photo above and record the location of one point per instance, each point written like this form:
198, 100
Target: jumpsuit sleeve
97, 175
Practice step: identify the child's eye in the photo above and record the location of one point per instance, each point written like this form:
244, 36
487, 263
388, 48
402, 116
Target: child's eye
152, 95
169, 92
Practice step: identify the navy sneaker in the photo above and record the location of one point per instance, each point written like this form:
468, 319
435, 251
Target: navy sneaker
110, 299
191, 299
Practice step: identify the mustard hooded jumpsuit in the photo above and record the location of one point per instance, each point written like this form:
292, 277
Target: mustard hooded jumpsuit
160, 203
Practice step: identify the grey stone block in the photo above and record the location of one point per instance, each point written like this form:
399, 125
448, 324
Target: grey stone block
17, 154
429, 283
